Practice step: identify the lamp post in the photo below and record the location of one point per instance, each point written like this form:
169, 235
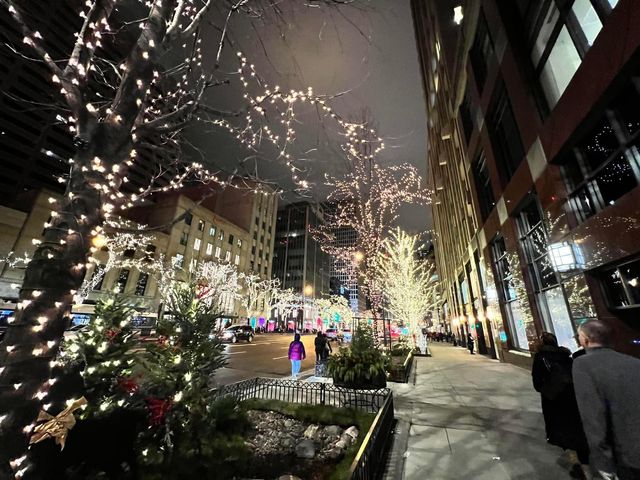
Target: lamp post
306, 292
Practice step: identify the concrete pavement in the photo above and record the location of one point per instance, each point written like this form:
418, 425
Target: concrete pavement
463, 417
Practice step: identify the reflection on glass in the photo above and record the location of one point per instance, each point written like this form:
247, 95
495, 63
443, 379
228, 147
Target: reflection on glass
561, 65
615, 290
558, 318
615, 180
545, 32
631, 275
613, 3
588, 19
518, 324
600, 143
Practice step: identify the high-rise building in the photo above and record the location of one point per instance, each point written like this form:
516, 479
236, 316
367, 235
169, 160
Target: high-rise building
298, 261
532, 112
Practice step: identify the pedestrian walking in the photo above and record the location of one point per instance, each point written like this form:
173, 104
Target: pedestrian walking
327, 348
320, 344
470, 342
607, 385
296, 355
551, 374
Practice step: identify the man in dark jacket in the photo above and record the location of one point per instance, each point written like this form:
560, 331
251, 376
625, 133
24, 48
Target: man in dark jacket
607, 385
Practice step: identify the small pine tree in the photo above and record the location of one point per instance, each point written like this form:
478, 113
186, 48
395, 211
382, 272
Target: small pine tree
104, 353
182, 366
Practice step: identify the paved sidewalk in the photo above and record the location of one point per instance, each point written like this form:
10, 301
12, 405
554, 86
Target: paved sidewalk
468, 417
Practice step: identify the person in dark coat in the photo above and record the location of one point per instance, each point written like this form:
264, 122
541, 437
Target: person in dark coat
607, 385
320, 344
551, 374
327, 348
470, 341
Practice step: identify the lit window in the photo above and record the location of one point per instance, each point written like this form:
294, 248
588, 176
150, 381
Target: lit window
212, 230
458, 15
613, 3
237, 260
239, 243
227, 256
209, 248
218, 251
588, 19
179, 260
200, 225
562, 64
196, 244
192, 264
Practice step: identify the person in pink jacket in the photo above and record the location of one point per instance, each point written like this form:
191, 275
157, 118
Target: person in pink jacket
296, 355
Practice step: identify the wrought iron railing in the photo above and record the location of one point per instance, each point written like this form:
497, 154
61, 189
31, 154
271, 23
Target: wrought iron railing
305, 392
370, 459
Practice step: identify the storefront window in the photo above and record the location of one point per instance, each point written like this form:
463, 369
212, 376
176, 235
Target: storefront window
517, 323
622, 285
559, 313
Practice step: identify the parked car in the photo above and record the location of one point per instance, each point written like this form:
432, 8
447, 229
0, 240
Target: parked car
238, 332
331, 333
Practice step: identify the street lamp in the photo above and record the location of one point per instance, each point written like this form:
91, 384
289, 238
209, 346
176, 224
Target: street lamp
358, 256
307, 291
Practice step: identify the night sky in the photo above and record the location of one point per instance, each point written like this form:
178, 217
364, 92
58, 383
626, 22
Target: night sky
369, 52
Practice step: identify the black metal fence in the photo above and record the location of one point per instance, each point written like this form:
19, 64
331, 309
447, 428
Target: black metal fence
370, 459
400, 373
305, 392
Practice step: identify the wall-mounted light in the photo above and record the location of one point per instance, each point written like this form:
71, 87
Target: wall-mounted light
458, 15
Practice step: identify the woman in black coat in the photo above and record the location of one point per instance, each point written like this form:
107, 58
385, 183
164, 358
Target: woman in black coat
551, 374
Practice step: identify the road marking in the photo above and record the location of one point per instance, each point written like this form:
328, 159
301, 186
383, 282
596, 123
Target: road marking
278, 358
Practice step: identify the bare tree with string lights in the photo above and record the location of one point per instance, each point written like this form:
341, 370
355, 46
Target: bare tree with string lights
121, 112
367, 199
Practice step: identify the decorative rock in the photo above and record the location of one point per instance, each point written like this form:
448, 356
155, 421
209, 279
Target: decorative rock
312, 432
288, 423
347, 439
334, 454
341, 444
332, 430
305, 449
352, 432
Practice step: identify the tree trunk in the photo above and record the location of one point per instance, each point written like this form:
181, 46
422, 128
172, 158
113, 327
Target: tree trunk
57, 270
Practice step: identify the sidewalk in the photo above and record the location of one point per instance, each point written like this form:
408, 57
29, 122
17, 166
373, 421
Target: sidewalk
468, 417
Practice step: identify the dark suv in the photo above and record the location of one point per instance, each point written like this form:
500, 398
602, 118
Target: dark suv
238, 332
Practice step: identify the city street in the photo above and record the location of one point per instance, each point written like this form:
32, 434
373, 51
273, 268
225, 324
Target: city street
265, 357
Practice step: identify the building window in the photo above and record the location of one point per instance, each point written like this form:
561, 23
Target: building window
239, 243
253, 250
192, 264
184, 236
560, 40
483, 186
212, 231
504, 133
221, 235
196, 244
507, 295
622, 285
230, 239
141, 284
200, 225
465, 116
121, 283
99, 268
605, 163
236, 260
549, 292
218, 252
149, 253
179, 260
481, 51
209, 248
227, 256
188, 218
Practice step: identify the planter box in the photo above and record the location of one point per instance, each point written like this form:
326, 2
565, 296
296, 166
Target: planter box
400, 372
